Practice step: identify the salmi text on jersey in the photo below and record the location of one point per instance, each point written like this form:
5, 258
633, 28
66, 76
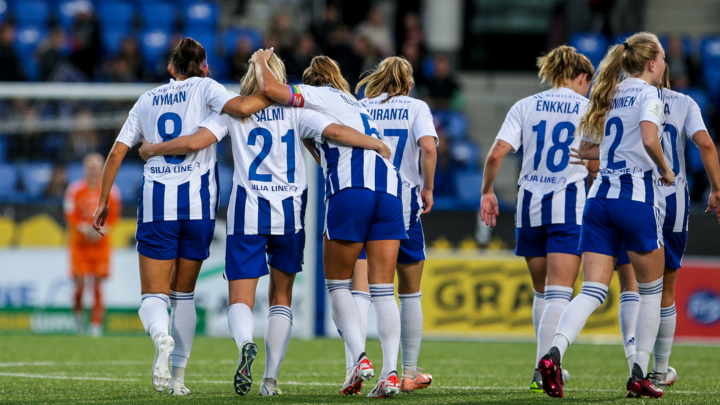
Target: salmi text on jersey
169, 99
389, 114
174, 168
274, 187
623, 102
557, 107
270, 114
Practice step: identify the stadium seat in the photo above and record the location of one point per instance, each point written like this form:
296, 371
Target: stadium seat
201, 15
112, 38
27, 40
74, 171
465, 152
232, 36
8, 180
40, 231
226, 175
3, 10
153, 45
32, 13
710, 57
205, 37
468, 187
7, 231
35, 177
128, 181
700, 98
157, 16
114, 14
590, 44
688, 45
67, 9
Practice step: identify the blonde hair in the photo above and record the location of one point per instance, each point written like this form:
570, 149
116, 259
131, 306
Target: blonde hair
249, 84
641, 48
563, 64
323, 71
394, 76
666, 77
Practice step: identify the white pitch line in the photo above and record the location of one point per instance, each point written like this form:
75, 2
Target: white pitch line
64, 377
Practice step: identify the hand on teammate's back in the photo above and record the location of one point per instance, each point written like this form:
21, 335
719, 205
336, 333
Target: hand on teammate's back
145, 150
384, 150
489, 209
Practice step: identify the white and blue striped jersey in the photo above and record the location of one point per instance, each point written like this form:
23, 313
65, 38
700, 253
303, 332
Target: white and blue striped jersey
402, 121
683, 119
552, 191
176, 187
269, 194
345, 166
626, 170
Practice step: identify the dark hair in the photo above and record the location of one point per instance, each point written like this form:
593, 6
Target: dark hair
188, 58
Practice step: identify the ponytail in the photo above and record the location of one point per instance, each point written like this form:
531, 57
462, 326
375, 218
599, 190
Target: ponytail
630, 56
188, 58
324, 71
563, 64
394, 76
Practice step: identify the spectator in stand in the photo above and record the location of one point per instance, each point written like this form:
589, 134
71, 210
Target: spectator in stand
338, 48
376, 30
58, 183
305, 49
10, 70
83, 139
443, 89
413, 31
412, 52
239, 57
367, 54
50, 53
26, 144
329, 24
127, 67
85, 43
443, 171
682, 69
281, 28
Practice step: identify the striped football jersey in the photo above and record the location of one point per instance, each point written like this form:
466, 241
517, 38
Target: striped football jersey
176, 187
402, 121
552, 191
269, 183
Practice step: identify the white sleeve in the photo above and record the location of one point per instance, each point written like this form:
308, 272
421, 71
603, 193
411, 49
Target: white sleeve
693, 120
313, 97
423, 125
652, 109
311, 124
216, 96
131, 132
511, 130
217, 124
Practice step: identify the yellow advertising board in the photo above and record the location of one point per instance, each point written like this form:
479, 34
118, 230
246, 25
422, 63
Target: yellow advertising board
492, 296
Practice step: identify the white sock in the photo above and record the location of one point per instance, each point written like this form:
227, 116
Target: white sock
154, 314
627, 316
577, 313
663, 344
363, 302
182, 326
346, 316
538, 309
277, 338
556, 299
388, 325
178, 374
241, 323
411, 328
648, 321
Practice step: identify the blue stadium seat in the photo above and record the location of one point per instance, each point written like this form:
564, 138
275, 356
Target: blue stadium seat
67, 9
128, 181
32, 13
700, 98
201, 15
622, 37
466, 153
710, 57
157, 16
153, 45
454, 123
8, 180
468, 186
688, 45
232, 36
225, 174
35, 177
111, 38
590, 44
118, 15
26, 41
4, 145
74, 171
3, 10
205, 37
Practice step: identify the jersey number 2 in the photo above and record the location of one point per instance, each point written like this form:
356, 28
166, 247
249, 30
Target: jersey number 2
177, 129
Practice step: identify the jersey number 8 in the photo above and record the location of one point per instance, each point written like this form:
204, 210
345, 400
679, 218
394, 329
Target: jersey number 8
177, 129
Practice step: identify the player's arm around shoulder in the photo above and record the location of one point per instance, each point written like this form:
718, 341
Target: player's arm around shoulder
213, 129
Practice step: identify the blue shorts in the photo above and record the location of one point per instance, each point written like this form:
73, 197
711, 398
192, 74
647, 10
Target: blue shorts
610, 223
538, 241
675, 243
360, 215
412, 249
166, 240
248, 256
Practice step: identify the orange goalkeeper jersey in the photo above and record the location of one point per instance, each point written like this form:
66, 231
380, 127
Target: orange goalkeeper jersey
80, 204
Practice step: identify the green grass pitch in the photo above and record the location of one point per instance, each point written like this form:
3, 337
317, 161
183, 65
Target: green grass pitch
81, 370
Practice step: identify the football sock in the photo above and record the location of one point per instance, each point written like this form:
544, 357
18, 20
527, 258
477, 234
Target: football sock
627, 316
363, 301
241, 323
577, 312
556, 299
648, 321
178, 374
98, 311
182, 326
154, 314
411, 328
538, 309
388, 325
277, 338
663, 344
78, 305
346, 316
